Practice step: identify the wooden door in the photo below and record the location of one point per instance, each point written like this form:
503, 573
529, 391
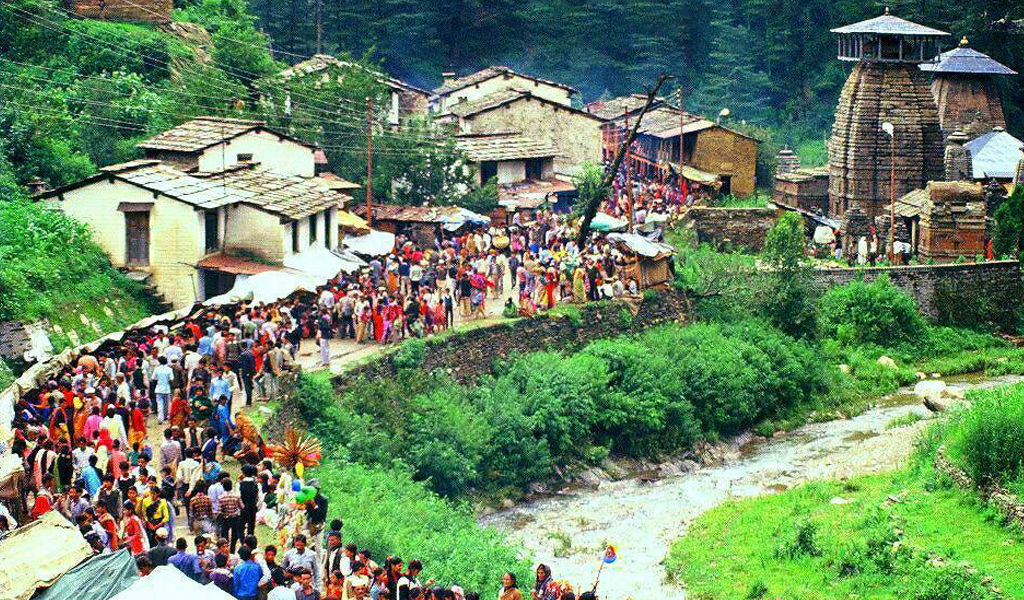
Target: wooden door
137, 242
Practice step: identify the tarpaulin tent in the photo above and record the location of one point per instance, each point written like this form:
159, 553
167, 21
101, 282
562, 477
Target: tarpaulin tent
375, 243
266, 287
605, 222
98, 578
322, 263
37, 554
647, 261
168, 583
463, 216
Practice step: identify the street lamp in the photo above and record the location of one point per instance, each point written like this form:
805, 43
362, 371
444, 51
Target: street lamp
890, 130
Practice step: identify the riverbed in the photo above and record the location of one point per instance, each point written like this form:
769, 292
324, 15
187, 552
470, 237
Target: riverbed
569, 531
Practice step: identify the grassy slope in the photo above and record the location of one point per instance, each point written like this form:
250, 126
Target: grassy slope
730, 549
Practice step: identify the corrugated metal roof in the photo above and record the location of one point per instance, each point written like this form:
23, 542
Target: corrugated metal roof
890, 25
490, 73
967, 60
503, 146
995, 154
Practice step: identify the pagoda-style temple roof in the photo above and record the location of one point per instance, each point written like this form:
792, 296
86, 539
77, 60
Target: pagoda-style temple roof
967, 60
889, 25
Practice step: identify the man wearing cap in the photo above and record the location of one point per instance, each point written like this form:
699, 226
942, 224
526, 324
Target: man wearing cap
160, 553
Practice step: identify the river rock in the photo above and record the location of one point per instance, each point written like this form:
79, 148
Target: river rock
930, 388
885, 361
688, 466
591, 477
839, 500
614, 469
844, 368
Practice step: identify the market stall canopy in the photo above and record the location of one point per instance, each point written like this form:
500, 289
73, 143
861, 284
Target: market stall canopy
98, 578
323, 264
824, 235
265, 288
642, 246
462, 216
353, 221
168, 583
375, 243
37, 554
605, 222
698, 176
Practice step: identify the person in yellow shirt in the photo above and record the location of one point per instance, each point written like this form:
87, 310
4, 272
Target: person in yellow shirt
155, 512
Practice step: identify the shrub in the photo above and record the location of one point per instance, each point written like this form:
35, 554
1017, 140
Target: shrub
787, 298
869, 313
802, 540
411, 353
987, 440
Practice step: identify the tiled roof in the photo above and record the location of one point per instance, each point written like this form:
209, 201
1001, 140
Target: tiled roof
531, 194
467, 108
321, 62
410, 214
290, 196
236, 265
165, 179
614, 108
503, 146
490, 73
967, 60
666, 121
995, 154
202, 132
889, 24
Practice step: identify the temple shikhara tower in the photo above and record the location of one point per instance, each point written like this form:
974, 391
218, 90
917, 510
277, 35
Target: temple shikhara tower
965, 90
885, 85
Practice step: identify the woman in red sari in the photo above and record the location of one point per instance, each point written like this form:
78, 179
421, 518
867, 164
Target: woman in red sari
179, 410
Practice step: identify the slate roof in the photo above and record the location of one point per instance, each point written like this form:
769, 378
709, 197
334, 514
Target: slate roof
321, 62
664, 121
889, 25
409, 214
470, 108
967, 60
995, 154
503, 146
490, 73
614, 108
203, 132
289, 196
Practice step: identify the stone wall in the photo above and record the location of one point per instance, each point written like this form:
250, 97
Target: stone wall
135, 11
469, 354
931, 285
732, 227
1004, 501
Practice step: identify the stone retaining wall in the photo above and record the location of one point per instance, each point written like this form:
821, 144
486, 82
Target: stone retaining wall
732, 227
1007, 503
133, 11
935, 286
470, 354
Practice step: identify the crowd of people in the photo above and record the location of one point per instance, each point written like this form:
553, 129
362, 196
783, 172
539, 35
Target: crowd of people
131, 441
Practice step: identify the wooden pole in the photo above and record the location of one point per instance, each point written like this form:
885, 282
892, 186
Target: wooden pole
590, 211
369, 161
892, 196
629, 178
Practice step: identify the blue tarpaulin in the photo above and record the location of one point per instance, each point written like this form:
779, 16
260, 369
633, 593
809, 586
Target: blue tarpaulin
99, 578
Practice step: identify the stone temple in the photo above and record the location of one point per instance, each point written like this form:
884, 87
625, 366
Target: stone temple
885, 85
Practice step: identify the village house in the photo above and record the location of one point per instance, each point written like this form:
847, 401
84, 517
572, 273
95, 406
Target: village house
405, 101
574, 133
131, 11
507, 157
670, 137
495, 79
210, 144
192, 234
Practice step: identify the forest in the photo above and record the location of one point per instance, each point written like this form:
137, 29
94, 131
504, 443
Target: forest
771, 62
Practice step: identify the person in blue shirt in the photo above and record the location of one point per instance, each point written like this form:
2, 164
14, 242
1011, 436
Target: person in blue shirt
219, 386
185, 561
247, 576
224, 423
206, 345
91, 477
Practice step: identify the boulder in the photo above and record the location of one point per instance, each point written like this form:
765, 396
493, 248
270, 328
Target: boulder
885, 361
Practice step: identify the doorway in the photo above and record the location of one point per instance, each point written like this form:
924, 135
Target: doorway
136, 225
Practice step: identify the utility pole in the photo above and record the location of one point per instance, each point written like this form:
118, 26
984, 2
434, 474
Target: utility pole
590, 210
369, 161
629, 176
319, 8
890, 130
679, 179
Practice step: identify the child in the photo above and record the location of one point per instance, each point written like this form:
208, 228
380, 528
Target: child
335, 586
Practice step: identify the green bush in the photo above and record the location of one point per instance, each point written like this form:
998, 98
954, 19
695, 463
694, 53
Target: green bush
987, 439
869, 313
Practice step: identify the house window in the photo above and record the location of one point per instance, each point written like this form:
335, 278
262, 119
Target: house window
295, 236
212, 220
313, 225
488, 171
246, 157
535, 168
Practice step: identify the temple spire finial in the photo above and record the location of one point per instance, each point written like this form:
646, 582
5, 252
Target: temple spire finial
964, 42
886, 10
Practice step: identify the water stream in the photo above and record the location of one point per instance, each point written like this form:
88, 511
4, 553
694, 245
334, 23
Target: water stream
568, 531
